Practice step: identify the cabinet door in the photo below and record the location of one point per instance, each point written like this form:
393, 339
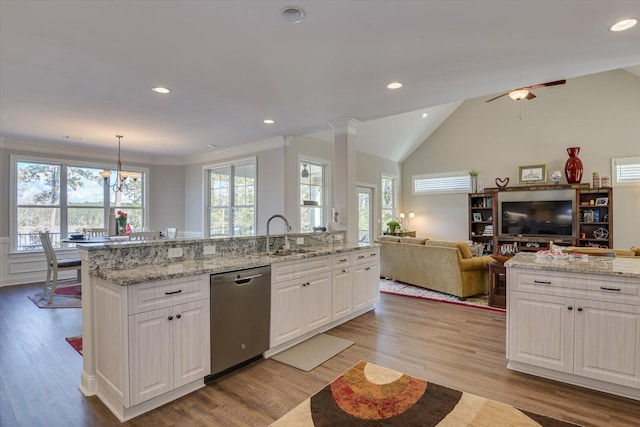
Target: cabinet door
286, 314
342, 292
608, 342
541, 330
365, 284
317, 301
150, 354
191, 351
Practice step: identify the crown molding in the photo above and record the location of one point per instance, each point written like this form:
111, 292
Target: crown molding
345, 126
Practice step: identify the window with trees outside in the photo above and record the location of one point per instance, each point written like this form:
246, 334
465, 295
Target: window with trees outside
312, 194
66, 198
232, 200
388, 200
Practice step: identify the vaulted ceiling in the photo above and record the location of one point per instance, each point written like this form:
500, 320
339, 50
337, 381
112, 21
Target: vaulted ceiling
84, 69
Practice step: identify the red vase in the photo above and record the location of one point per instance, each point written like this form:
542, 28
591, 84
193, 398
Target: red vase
573, 167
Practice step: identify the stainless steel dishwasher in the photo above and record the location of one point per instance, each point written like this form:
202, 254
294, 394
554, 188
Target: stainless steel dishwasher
240, 316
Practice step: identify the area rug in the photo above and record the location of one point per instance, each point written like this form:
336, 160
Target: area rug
66, 296
394, 287
312, 352
370, 395
76, 343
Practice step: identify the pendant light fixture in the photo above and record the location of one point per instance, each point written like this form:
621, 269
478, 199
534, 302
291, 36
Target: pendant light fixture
121, 183
304, 173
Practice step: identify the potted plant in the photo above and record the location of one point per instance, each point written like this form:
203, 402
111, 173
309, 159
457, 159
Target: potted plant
392, 226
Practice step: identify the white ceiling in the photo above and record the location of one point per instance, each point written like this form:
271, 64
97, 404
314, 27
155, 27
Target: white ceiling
86, 68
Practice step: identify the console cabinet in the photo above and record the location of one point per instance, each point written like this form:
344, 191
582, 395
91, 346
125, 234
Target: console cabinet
582, 329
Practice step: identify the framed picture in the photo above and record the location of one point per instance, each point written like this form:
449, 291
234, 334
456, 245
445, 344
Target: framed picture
602, 201
532, 174
477, 216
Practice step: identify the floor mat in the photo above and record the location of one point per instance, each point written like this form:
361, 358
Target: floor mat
312, 352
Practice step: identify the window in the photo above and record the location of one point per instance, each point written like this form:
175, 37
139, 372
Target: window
455, 182
65, 198
625, 171
388, 200
312, 195
232, 201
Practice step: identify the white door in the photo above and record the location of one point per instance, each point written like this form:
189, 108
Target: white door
365, 214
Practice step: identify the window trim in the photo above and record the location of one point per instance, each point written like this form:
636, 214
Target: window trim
326, 186
615, 162
64, 163
435, 176
207, 192
394, 202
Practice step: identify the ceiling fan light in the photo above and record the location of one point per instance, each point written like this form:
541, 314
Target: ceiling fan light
518, 94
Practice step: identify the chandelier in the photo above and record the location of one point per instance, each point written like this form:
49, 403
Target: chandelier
121, 183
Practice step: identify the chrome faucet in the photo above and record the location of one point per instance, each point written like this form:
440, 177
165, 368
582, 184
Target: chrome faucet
286, 221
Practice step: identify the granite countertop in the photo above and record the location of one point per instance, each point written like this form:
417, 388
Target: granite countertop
619, 266
146, 273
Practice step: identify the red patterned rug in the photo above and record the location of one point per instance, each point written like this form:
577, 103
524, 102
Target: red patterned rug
370, 395
76, 343
66, 296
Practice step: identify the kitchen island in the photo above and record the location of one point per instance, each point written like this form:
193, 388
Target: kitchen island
146, 307
576, 320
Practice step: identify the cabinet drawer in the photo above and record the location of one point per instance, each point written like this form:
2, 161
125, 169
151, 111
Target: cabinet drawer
165, 293
601, 288
341, 261
365, 255
299, 268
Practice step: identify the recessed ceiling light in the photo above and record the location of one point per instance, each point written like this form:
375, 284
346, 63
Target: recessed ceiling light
394, 85
624, 25
292, 14
210, 146
269, 122
161, 89
424, 115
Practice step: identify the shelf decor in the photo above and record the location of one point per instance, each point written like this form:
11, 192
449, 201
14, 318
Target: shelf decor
532, 174
573, 168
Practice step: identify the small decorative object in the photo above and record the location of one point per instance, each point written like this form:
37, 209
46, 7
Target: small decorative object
556, 176
605, 182
603, 201
573, 167
122, 222
473, 174
600, 233
596, 180
532, 174
477, 216
392, 226
502, 183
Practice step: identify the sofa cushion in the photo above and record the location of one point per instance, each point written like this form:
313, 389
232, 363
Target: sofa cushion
413, 240
393, 239
636, 249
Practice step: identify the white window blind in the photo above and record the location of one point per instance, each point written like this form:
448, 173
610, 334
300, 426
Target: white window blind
457, 182
626, 170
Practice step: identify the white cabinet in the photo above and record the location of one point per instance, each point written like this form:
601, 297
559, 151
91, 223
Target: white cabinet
168, 348
342, 292
302, 303
152, 342
581, 329
366, 278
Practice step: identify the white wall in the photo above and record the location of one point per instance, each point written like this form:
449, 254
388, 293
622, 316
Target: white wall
599, 113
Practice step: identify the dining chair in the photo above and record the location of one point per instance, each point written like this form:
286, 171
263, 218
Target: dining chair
95, 232
172, 232
144, 235
54, 266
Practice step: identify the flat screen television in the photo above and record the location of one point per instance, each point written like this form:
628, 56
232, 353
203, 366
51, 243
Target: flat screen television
537, 218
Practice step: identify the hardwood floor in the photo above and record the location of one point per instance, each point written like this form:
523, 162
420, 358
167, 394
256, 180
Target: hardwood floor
455, 346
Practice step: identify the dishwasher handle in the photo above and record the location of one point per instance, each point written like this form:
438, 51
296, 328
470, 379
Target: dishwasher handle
241, 281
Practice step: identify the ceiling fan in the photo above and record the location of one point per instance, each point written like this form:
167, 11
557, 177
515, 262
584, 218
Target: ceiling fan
525, 92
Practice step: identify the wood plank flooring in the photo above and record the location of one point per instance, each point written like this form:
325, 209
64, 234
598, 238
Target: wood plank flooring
455, 346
